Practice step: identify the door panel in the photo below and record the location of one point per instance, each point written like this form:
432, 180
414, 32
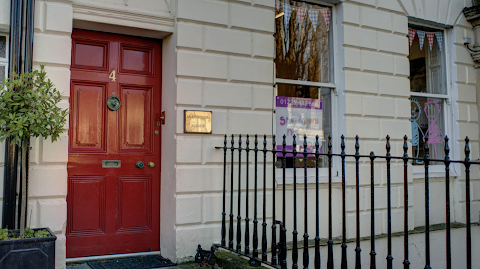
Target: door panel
136, 59
87, 205
113, 206
135, 210
89, 132
90, 54
135, 132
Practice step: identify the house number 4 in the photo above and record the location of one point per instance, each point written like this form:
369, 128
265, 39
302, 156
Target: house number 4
112, 76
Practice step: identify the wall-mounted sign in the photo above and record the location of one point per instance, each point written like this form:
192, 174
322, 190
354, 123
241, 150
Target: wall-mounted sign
299, 116
199, 122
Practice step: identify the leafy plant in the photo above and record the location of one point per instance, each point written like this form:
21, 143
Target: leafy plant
5, 234
29, 108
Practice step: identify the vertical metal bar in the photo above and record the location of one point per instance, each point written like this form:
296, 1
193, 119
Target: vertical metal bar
467, 202
406, 262
283, 240
247, 190
239, 217
255, 220
427, 206
389, 207
230, 231
295, 233
264, 224
11, 149
317, 209
330, 240
344, 209
27, 67
306, 259
358, 250
274, 226
224, 179
447, 201
373, 254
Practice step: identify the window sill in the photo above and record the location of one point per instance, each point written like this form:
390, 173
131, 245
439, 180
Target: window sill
434, 171
311, 176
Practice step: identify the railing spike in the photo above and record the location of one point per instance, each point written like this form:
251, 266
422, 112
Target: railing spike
306, 259
389, 207
274, 226
467, 202
447, 204
317, 208
406, 262
344, 208
358, 250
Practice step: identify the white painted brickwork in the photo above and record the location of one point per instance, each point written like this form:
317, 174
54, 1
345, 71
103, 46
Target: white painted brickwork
48, 172
225, 56
377, 89
220, 59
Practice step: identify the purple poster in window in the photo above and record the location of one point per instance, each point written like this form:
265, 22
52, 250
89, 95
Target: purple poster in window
299, 116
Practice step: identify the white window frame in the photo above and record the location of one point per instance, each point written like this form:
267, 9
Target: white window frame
4, 61
336, 105
450, 110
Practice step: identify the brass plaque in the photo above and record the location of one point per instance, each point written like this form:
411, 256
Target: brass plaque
199, 122
111, 164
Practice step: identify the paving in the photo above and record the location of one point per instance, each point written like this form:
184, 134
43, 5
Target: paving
181, 266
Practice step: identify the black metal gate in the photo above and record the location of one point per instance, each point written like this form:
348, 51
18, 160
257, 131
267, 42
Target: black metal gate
279, 249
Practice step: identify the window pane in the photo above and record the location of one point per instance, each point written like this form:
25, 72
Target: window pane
3, 47
2, 72
427, 119
307, 116
302, 41
427, 63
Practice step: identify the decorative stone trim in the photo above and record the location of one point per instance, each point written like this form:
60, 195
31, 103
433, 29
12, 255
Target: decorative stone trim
157, 21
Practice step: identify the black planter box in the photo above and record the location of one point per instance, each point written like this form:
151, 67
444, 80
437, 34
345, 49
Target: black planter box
28, 253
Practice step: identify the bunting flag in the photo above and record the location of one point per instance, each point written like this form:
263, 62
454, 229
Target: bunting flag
439, 37
411, 36
300, 14
277, 5
287, 9
421, 38
430, 39
313, 17
326, 13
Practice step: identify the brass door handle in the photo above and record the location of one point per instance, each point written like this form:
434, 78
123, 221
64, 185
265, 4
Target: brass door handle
151, 164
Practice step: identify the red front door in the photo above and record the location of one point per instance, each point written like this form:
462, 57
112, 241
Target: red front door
113, 204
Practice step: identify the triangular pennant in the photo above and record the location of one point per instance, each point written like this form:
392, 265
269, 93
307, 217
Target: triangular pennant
326, 13
439, 37
313, 16
287, 9
411, 36
421, 38
277, 5
300, 15
430, 39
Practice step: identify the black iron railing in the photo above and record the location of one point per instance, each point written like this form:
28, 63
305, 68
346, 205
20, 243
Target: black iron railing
278, 254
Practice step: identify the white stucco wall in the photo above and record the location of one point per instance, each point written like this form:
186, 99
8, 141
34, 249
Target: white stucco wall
220, 59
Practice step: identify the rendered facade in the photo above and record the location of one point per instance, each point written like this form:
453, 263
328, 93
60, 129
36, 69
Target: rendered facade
223, 56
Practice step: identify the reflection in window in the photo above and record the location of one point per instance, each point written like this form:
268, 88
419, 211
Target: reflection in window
427, 62
307, 93
427, 82
303, 41
3, 46
427, 119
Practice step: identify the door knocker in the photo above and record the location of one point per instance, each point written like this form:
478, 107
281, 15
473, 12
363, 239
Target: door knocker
113, 103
